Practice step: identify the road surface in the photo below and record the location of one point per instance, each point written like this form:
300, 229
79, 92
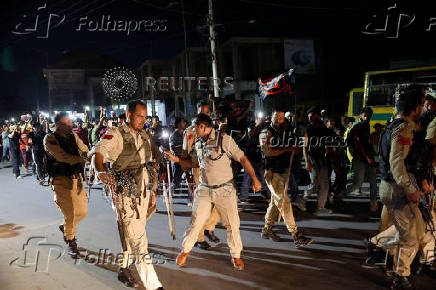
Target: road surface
333, 261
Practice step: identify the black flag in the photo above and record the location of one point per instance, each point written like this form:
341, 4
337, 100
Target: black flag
278, 86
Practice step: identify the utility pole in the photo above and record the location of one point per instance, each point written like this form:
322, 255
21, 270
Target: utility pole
213, 52
187, 96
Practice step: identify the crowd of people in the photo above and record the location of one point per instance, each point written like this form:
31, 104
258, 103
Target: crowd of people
21, 143
230, 149
22, 146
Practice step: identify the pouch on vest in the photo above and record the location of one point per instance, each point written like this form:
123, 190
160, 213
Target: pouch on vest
56, 168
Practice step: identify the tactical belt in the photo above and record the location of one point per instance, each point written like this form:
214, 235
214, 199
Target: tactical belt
218, 185
74, 176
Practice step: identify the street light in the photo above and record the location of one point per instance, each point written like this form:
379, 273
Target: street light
86, 108
12, 119
260, 115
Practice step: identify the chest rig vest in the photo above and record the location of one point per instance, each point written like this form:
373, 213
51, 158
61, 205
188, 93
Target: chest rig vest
278, 164
56, 168
128, 168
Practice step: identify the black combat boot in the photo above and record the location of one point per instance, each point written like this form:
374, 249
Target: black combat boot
374, 255
267, 233
211, 236
202, 245
72, 248
126, 277
401, 283
300, 240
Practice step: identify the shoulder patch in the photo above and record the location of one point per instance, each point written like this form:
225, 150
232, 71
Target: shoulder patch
403, 141
107, 136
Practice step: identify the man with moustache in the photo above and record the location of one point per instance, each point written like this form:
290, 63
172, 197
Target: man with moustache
400, 189
132, 179
428, 112
189, 138
213, 153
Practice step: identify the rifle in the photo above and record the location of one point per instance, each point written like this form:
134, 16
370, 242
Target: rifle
168, 198
425, 203
419, 163
425, 206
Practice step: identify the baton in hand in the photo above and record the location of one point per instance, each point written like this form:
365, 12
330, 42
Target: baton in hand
168, 198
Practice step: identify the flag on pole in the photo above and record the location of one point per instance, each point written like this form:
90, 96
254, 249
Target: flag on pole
281, 85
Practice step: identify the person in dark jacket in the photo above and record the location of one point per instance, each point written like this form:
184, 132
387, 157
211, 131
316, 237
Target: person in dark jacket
314, 152
14, 149
38, 153
363, 162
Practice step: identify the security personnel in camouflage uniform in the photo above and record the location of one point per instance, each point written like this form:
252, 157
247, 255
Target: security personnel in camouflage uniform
66, 154
213, 153
277, 156
400, 192
132, 180
189, 137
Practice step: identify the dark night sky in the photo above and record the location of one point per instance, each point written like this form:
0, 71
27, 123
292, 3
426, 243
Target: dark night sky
347, 52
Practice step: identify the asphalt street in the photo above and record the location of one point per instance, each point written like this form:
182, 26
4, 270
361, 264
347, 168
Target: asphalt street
29, 222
